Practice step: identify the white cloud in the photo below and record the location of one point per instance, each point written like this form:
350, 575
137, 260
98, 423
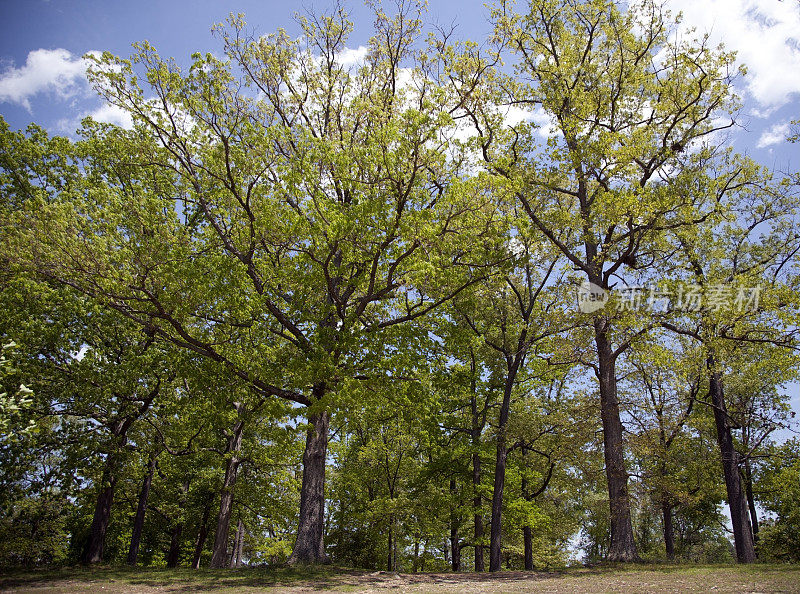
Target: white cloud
57, 71
546, 126
352, 57
111, 114
106, 113
516, 115
775, 135
764, 33
543, 121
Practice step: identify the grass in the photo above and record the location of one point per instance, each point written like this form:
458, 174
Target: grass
622, 578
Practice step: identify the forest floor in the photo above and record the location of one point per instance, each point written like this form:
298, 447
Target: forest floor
637, 578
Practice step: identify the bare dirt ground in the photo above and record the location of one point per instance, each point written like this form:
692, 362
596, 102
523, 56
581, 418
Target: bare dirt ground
670, 578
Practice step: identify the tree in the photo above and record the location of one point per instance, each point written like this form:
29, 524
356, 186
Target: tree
778, 493
514, 318
670, 375
739, 269
321, 191
623, 101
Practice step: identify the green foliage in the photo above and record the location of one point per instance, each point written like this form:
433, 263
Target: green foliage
282, 233
779, 493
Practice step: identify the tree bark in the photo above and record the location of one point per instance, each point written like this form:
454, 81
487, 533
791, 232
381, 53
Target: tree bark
309, 546
478, 517
174, 554
500, 470
623, 546
454, 522
219, 556
141, 509
389, 558
236, 557
742, 532
93, 552
669, 530
477, 500
527, 533
527, 537
751, 502
202, 534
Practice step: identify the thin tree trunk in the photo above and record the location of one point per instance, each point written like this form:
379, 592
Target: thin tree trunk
219, 556
241, 545
500, 470
141, 509
527, 534
751, 502
389, 558
477, 500
742, 532
454, 544
623, 546
669, 530
236, 556
202, 534
416, 554
478, 517
174, 554
93, 552
527, 537
309, 546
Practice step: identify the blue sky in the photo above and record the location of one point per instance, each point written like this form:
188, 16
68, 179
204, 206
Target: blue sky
42, 76
41, 41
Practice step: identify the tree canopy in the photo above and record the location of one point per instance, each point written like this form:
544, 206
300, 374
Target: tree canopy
310, 309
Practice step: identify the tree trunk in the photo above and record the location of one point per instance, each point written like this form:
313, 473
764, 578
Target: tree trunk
500, 471
93, 552
219, 557
669, 530
751, 502
239, 553
236, 557
389, 558
742, 534
174, 554
201, 535
478, 517
141, 509
309, 546
477, 501
527, 536
415, 565
454, 544
623, 546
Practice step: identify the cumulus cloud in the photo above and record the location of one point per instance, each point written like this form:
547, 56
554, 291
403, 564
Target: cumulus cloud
56, 71
106, 113
352, 57
111, 114
766, 36
774, 135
